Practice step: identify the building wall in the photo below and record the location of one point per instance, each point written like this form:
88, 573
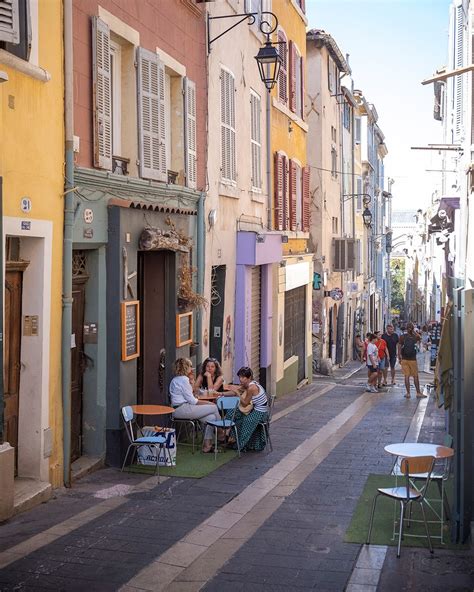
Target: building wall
238, 206
31, 163
173, 27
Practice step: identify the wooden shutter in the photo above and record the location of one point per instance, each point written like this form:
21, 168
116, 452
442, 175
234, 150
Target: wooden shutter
293, 66
282, 49
279, 188
255, 140
458, 63
9, 21
151, 116
102, 94
228, 168
306, 199
301, 65
190, 131
339, 250
292, 193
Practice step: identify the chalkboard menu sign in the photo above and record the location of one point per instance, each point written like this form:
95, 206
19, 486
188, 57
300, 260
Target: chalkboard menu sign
435, 339
184, 329
130, 330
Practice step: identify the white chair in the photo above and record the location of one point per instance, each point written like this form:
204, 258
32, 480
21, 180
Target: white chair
266, 422
156, 442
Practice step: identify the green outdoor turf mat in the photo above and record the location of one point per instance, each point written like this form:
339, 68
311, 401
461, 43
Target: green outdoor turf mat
382, 530
191, 465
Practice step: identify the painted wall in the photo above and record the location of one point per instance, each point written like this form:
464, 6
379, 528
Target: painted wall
233, 202
174, 27
31, 163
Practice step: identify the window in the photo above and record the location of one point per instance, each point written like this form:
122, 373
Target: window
334, 225
292, 204
333, 133
282, 49
301, 4
228, 170
347, 115
15, 27
345, 254
358, 123
255, 139
359, 193
333, 163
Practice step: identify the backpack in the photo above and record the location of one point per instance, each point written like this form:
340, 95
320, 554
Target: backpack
409, 348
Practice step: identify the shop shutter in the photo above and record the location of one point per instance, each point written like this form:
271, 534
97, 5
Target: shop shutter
282, 49
9, 21
256, 140
151, 116
228, 169
102, 94
190, 131
293, 66
306, 199
255, 322
292, 193
278, 172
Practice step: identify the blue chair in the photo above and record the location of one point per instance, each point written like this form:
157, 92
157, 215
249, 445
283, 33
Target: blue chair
225, 404
156, 442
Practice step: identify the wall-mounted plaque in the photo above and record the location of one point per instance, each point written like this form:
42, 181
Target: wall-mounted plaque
130, 330
184, 329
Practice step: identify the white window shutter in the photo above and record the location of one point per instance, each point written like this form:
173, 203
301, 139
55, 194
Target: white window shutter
228, 167
190, 131
9, 21
459, 63
102, 94
255, 140
151, 116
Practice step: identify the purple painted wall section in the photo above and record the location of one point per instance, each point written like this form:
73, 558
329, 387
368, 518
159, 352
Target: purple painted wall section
243, 326
242, 275
267, 317
251, 252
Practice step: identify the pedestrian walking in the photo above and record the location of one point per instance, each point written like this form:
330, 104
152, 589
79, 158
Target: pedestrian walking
383, 359
391, 339
407, 350
372, 363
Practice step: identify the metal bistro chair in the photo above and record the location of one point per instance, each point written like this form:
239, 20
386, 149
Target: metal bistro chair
266, 423
225, 404
193, 425
406, 494
156, 442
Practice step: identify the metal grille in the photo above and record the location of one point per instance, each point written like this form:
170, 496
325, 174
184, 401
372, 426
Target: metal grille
255, 315
79, 260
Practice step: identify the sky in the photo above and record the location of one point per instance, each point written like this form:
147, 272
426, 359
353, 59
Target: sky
393, 45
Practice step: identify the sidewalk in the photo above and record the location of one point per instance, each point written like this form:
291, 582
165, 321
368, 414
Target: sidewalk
267, 521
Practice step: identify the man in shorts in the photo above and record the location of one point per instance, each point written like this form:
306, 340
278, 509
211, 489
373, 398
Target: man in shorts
391, 339
407, 350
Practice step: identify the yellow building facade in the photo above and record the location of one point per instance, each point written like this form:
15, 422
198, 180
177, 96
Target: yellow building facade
292, 351
32, 171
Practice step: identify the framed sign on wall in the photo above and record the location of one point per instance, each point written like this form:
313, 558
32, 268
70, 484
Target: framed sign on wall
184, 329
130, 330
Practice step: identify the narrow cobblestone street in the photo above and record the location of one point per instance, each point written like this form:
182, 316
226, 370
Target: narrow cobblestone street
270, 521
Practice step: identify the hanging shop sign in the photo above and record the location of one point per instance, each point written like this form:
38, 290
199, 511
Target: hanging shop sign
336, 294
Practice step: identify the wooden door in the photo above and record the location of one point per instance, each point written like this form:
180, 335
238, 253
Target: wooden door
77, 365
11, 359
152, 388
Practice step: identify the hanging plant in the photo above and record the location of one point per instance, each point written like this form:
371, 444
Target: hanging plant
187, 297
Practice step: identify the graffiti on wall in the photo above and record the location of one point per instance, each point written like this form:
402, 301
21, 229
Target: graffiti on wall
228, 339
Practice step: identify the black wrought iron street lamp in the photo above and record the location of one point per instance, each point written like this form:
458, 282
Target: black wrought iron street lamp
367, 217
268, 58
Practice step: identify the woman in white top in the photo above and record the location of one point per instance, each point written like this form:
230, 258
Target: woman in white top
185, 403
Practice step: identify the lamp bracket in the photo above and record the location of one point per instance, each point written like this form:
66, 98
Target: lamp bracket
265, 25
367, 198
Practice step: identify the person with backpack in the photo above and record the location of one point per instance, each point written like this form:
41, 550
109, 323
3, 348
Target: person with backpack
407, 350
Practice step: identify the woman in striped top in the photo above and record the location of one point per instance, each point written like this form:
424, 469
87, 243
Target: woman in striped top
251, 434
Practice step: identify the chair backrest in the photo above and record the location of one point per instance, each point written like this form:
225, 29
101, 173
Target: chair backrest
448, 441
270, 404
414, 466
128, 417
228, 403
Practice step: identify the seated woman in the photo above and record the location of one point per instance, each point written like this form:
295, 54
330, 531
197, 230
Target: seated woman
251, 437
210, 376
185, 403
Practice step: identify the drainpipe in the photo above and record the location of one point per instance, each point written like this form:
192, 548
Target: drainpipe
200, 267
67, 242
269, 160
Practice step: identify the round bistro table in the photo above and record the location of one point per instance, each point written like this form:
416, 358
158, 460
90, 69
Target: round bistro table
413, 449
152, 409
